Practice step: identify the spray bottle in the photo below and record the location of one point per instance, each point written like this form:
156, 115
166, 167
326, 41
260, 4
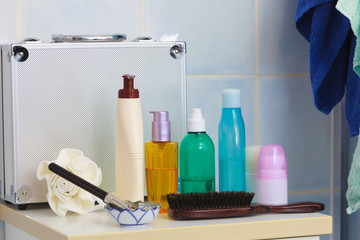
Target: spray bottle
197, 157
231, 143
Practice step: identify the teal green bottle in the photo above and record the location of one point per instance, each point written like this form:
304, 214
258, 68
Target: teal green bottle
197, 157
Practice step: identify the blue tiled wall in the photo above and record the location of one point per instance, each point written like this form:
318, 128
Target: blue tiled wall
249, 44
281, 49
219, 34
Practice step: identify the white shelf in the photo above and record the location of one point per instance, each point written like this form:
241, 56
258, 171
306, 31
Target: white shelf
39, 221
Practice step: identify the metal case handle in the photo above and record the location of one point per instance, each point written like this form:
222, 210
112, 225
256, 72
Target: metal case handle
118, 37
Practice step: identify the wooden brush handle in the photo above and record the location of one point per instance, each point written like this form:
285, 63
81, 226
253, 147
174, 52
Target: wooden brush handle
298, 207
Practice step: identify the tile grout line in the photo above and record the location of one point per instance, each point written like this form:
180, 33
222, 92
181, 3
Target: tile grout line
19, 20
218, 75
285, 75
314, 191
142, 17
248, 75
256, 77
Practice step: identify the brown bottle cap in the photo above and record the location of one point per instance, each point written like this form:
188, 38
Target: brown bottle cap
128, 91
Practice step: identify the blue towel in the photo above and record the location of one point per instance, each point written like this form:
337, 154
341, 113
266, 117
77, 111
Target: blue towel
331, 53
352, 105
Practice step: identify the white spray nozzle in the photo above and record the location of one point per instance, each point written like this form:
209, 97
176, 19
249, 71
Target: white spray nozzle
196, 123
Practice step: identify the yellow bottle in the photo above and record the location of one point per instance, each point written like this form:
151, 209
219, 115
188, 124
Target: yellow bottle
161, 161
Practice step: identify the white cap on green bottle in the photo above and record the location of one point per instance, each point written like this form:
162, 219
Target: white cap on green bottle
196, 123
231, 98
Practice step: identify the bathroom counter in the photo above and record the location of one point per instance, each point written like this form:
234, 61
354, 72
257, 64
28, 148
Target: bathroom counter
39, 221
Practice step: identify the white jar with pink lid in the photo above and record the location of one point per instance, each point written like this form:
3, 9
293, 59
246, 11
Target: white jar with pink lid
272, 188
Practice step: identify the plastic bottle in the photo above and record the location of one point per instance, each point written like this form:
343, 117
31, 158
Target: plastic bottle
161, 161
197, 157
272, 176
129, 143
252, 156
231, 143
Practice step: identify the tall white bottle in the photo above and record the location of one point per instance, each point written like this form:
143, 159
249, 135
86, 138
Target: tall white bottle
129, 143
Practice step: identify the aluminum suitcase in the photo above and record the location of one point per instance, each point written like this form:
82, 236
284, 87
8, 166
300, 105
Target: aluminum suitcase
63, 95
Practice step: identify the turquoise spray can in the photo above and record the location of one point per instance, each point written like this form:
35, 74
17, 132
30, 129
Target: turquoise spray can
232, 176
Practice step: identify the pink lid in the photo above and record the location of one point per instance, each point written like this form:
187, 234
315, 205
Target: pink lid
272, 162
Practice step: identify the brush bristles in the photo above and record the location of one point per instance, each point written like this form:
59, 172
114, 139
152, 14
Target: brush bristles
213, 200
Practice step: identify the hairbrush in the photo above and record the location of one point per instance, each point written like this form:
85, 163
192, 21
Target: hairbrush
228, 204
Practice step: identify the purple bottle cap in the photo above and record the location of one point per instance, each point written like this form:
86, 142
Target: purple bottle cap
161, 126
272, 162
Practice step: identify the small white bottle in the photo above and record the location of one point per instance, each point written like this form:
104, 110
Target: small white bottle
129, 143
272, 176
